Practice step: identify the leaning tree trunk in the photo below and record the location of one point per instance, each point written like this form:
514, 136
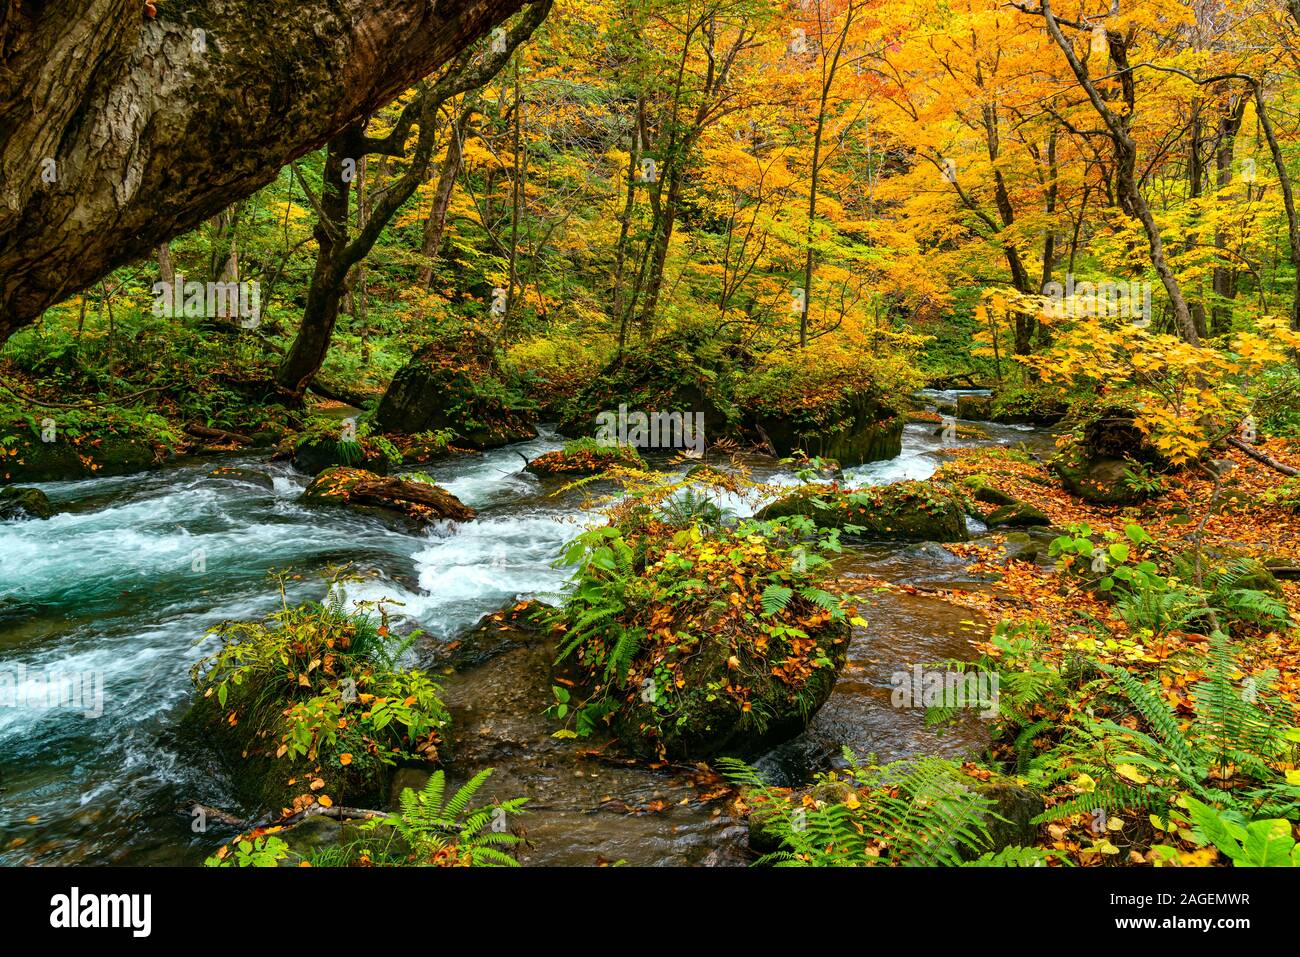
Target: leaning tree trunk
118, 132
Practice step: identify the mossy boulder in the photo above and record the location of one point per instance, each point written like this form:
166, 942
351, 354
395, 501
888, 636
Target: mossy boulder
316, 455
1017, 515
901, 512
1028, 405
707, 720
1106, 453
1098, 481
688, 379
455, 383
87, 457
983, 490
860, 429
978, 408
1282, 567
724, 642
410, 498
585, 457
17, 502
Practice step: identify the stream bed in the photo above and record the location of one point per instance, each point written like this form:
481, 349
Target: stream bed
119, 589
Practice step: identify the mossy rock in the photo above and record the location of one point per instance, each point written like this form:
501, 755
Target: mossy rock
686, 378
978, 408
585, 458
263, 782
707, 722
316, 455
962, 430
864, 430
901, 512
1281, 567
1017, 515
983, 490
18, 502
1098, 481
456, 383
62, 461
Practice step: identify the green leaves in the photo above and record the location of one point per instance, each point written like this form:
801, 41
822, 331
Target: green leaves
775, 598
1260, 843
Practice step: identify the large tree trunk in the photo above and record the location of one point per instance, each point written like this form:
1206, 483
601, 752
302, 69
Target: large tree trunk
118, 132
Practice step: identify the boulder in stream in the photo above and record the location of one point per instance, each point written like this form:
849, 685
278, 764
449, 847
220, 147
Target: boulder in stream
419, 500
900, 512
585, 457
17, 502
456, 384
64, 461
1017, 515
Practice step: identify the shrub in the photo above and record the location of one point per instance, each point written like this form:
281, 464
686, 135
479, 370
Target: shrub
317, 692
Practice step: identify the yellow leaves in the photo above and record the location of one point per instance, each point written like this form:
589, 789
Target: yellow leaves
1129, 773
1203, 857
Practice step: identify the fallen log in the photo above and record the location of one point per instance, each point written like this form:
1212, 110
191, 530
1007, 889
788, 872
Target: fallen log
218, 435
419, 500
1263, 457
339, 393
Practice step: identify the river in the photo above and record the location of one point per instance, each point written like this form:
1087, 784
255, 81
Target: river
120, 588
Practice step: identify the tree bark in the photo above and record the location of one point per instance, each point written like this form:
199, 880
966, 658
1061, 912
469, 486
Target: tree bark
436, 224
337, 252
119, 132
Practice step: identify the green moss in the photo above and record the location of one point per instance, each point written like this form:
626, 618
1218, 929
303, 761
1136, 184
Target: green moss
903, 511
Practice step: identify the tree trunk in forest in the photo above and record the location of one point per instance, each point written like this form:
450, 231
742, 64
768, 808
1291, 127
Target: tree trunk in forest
1224, 282
338, 251
1127, 185
120, 132
223, 266
321, 311
625, 226
166, 268
436, 224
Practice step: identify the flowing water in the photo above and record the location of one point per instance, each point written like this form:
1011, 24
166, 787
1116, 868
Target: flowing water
115, 594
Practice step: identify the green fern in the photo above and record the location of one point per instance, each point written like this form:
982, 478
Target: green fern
918, 812
776, 598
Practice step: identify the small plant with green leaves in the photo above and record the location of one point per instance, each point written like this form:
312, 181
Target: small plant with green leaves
430, 829
264, 851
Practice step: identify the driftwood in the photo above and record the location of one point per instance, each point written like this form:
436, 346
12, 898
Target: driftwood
385, 491
422, 500
209, 814
1263, 457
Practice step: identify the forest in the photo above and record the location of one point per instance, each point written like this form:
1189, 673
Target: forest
597, 433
